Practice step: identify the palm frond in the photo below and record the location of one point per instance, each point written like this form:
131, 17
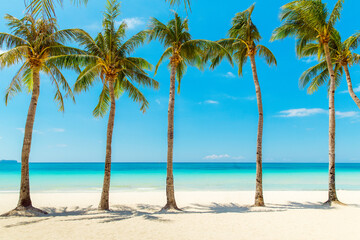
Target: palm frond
15, 85
135, 94
267, 54
104, 103
47, 7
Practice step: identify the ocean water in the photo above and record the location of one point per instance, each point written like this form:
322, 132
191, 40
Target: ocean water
85, 177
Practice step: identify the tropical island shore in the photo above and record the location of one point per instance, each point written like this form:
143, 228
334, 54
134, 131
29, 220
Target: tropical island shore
206, 215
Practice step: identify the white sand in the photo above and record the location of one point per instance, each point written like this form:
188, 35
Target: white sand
207, 215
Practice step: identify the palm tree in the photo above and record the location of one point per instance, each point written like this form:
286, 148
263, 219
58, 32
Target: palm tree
342, 56
108, 59
243, 44
309, 21
35, 44
182, 51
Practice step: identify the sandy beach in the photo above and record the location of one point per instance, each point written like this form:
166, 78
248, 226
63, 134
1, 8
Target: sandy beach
206, 215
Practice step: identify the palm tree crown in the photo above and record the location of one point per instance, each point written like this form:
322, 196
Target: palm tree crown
342, 56
36, 44
307, 20
180, 47
243, 41
108, 58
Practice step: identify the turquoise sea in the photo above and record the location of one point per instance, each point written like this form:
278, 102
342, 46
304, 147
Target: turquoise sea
85, 177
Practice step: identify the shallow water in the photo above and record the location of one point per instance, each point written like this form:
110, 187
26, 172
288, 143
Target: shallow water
188, 176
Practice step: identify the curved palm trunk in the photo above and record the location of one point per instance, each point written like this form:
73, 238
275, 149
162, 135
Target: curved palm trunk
104, 201
24, 203
351, 91
170, 192
259, 198
332, 188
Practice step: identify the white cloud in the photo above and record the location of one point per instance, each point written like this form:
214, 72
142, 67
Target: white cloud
22, 130
214, 156
211, 102
229, 75
346, 114
357, 89
222, 156
310, 59
251, 98
157, 101
305, 112
132, 23
2, 51
58, 130
301, 112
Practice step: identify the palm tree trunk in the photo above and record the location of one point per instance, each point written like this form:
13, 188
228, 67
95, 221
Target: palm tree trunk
170, 192
351, 91
24, 203
104, 201
332, 188
259, 198
24, 199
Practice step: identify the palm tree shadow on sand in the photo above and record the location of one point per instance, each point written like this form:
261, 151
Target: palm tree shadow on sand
152, 213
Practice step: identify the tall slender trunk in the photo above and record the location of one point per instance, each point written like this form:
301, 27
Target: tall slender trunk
351, 91
104, 201
332, 189
24, 199
259, 198
170, 192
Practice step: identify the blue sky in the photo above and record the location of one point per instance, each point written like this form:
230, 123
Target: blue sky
216, 112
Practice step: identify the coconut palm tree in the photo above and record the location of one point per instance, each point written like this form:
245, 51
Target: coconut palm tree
108, 59
342, 56
34, 44
243, 43
309, 21
182, 51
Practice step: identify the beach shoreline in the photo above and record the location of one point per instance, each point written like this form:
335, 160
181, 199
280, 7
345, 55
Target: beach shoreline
205, 215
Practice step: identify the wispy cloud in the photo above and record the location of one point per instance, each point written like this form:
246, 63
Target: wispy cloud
214, 156
211, 102
306, 112
229, 75
310, 59
157, 101
222, 156
250, 98
301, 112
133, 23
22, 130
350, 114
357, 89
2, 51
